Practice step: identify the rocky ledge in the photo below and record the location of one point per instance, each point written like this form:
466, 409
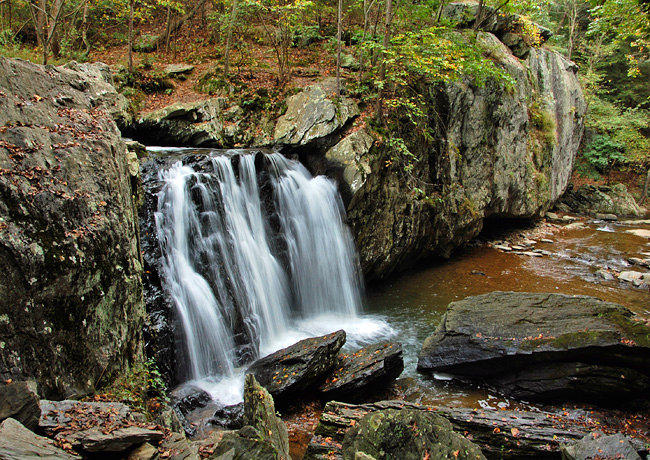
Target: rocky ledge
543, 347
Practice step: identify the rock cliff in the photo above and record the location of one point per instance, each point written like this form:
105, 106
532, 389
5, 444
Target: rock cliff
496, 153
71, 308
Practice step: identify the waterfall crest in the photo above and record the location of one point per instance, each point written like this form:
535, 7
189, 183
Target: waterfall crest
243, 265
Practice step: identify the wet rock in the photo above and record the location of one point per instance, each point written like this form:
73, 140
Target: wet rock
407, 434
187, 398
547, 241
597, 445
363, 371
501, 434
298, 367
592, 200
19, 400
502, 247
543, 347
72, 309
17, 442
246, 444
230, 417
119, 440
313, 115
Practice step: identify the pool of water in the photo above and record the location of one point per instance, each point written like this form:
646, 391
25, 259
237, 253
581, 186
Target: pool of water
414, 302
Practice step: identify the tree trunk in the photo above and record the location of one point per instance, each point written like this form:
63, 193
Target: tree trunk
178, 23
338, 49
84, 29
382, 69
169, 18
131, 13
644, 194
231, 25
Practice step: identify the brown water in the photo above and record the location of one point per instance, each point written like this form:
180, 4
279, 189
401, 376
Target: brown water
414, 302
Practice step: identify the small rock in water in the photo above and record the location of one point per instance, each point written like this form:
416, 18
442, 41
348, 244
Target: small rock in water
502, 247
608, 217
529, 242
516, 247
604, 274
575, 225
631, 276
477, 272
640, 232
546, 240
640, 262
569, 219
531, 254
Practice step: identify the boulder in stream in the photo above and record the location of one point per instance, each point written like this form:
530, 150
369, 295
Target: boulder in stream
597, 445
603, 201
362, 371
300, 366
543, 347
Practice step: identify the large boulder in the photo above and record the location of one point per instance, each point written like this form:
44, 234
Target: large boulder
543, 346
357, 373
406, 434
493, 152
313, 115
17, 442
298, 367
594, 200
71, 312
20, 401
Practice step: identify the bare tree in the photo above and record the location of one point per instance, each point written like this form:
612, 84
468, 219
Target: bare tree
231, 25
131, 14
46, 18
338, 48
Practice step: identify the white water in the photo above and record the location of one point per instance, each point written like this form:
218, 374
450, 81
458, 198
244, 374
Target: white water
243, 290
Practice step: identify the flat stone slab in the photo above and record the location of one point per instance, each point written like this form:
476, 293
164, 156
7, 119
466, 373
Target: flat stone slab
596, 445
17, 442
300, 366
543, 347
100, 439
359, 372
56, 416
178, 69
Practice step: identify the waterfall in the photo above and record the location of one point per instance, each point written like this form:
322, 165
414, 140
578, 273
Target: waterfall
244, 268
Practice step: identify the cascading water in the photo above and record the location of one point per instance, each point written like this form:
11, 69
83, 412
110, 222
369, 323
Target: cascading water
249, 274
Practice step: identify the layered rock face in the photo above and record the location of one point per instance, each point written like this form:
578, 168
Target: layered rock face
496, 153
71, 308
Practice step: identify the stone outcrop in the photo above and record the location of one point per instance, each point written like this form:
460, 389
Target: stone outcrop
298, 367
594, 200
544, 347
407, 434
357, 373
495, 153
264, 435
71, 309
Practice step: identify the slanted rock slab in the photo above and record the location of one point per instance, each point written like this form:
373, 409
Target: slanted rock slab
360, 372
543, 347
19, 400
99, 439
17, 442
56, 416
300, 366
